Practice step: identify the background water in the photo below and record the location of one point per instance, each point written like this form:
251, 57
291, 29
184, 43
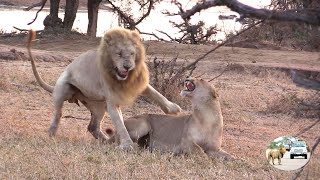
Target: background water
10, 17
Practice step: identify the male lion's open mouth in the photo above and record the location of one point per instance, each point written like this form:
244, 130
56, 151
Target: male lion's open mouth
122, 75
189, 85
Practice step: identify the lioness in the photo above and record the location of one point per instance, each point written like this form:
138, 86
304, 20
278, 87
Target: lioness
183, 133
104, 80
275, 153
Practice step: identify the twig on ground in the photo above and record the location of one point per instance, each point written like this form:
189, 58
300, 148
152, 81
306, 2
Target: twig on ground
25, 30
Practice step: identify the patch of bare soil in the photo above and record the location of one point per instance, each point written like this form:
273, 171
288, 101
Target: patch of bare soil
259, 99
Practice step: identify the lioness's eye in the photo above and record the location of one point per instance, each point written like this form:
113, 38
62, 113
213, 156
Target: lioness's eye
132, 54
119, 54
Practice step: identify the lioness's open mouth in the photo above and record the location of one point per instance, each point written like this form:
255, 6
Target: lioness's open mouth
189, 85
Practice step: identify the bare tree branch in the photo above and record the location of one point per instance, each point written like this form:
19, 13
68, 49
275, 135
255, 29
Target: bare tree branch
32, 6
171, 38
121, 14
192, 65
127, 18
152, 34
309, 16
151, 2
201, 6
43, 3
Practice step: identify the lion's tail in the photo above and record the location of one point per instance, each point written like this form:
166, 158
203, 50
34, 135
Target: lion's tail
44, 85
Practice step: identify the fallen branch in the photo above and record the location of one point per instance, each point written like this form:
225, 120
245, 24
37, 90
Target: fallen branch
25, 30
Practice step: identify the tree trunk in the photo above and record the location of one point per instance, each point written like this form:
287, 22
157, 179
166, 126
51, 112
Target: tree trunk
54, 8
52, 21
70, 14
93, 9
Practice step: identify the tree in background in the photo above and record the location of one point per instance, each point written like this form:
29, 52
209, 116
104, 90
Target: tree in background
93, 10
196, 33
124, 8
132, 12
52, 21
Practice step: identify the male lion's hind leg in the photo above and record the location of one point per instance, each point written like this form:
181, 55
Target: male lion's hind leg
61, 93
97, 113
56, 118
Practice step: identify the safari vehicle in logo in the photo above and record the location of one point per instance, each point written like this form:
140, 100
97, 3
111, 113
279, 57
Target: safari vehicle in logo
298, 148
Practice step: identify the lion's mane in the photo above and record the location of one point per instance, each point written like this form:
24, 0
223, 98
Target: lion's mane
123, 91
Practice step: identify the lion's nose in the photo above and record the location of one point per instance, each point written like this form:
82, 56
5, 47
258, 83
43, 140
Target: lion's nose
127, 67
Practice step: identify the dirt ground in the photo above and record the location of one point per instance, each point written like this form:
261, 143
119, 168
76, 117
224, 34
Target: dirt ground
259, 103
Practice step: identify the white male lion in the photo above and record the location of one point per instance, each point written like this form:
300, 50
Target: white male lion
183, 133
104, 80
275, 154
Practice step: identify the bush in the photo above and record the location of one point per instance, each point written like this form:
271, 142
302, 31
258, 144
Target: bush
165, 79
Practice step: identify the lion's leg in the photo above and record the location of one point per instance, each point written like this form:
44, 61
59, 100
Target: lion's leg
166, 106
56, 118
279, 160
116, 116
138, 127
272, 158
62, 92
97, 113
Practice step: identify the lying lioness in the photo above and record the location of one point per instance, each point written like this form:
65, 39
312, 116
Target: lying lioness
183, 133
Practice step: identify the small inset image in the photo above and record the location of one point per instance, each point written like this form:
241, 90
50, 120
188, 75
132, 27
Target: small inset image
288, 153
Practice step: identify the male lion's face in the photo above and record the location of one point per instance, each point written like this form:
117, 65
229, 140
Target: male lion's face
198, 90
123, 58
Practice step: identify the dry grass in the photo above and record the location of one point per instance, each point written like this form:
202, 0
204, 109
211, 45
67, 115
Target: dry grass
26, 156
250, 97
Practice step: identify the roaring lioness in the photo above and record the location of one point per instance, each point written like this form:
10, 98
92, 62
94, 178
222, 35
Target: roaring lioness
275, 154
104, 80
183, 133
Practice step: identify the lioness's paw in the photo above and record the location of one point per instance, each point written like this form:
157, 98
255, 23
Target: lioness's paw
172, 108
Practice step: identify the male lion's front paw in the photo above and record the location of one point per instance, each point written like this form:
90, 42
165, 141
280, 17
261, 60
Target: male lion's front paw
172, 108
126, 146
